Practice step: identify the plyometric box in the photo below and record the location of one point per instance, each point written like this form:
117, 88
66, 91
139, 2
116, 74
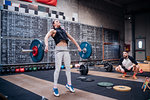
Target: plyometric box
145, 67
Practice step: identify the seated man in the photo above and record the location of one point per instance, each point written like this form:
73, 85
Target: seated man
127, 64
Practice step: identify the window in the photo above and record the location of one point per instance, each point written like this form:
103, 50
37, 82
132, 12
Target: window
140, 44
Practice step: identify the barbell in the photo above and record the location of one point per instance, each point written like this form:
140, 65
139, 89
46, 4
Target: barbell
83, 69
37, 53
37, 50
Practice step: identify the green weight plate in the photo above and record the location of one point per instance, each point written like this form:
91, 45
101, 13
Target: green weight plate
105, 84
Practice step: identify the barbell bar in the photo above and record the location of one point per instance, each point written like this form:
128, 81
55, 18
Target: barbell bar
37, 50
26, 50
29, 50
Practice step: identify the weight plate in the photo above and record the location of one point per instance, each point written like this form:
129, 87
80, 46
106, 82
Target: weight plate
87, 80
81, 78
122, 88
40, 53
83, 70
87, 54
105, 84
108, 68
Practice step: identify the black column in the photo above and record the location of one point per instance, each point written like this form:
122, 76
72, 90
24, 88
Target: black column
133, 34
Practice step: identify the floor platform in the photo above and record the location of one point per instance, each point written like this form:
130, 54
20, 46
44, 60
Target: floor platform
34, 85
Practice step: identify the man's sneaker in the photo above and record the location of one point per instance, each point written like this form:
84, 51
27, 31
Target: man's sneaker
134, 77
124, 75
70, 88
56, 93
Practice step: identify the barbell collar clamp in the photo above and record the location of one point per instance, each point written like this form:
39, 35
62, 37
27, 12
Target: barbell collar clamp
84, 50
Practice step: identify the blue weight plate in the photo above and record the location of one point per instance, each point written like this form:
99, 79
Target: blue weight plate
40, 54
88, 53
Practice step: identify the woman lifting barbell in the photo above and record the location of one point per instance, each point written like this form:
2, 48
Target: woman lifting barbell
60, 37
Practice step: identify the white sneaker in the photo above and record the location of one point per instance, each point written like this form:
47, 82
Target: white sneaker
56, 93
70, 88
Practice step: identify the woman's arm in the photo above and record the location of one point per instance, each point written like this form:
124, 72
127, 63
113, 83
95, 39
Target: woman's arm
46, 39
74, 41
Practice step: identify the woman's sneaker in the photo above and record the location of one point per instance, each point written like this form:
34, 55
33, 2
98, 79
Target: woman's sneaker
70, 88
56, 93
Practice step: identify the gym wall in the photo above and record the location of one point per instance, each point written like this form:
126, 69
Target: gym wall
142, 31
96, 13
19, 29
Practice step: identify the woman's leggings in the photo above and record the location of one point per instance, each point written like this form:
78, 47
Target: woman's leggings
62, 54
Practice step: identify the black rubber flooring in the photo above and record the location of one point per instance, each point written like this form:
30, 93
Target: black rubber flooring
17, 93
14, 92
135, 94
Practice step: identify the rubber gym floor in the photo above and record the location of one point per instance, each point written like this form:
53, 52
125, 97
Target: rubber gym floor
37, 84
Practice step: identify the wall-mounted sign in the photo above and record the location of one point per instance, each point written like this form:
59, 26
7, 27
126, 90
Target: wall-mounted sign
26, 0
49, 2
127, 47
